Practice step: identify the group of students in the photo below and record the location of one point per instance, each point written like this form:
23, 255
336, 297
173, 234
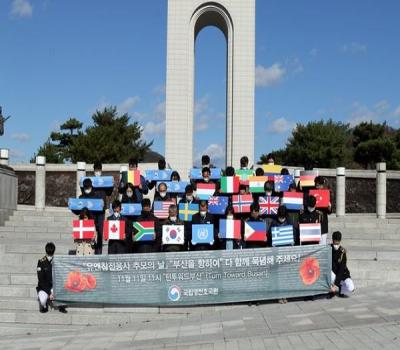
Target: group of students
135, 194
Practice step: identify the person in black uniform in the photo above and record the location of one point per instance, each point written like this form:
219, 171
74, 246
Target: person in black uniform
161, 166
173, 219
147, 215
129, 197
282, 219
310, 215
100, 216
188, 196
116, 246
321, 183
254, 216
45, 280
341, 280
89, 192
161, 194
203, 217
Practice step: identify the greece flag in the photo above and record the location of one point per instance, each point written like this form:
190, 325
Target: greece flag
282, 235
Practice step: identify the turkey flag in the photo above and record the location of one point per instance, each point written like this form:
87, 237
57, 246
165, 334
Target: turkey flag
114, 229
322, 197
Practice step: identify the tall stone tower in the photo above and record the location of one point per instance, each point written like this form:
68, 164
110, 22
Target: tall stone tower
186, 18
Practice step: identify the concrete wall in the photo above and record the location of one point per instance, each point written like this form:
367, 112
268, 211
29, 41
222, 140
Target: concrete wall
8, 193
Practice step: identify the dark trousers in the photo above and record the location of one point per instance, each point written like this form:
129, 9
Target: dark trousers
116, 247
99, 221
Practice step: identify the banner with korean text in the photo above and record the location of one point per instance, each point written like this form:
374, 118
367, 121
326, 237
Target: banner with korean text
193, 278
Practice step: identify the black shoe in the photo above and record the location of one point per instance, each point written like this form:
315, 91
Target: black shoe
343, 295
63, 309
43, 310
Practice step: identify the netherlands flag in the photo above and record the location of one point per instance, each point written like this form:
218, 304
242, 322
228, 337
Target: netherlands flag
292, 200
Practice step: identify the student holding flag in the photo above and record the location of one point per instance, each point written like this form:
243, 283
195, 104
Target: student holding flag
129, 197
259, 229
161, 194
148, 216
161, 166
320, 184
173, 220
228, 243
188, 197
283, 219
85, 246
203, 217
117, 246
88, 192
141, 189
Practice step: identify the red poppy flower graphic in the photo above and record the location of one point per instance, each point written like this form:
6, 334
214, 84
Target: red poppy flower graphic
90, 281
77, 282
309, 271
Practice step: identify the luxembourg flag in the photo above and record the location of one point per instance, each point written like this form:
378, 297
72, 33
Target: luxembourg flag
230, 229
310, 232
255, 231
114, 229
293, 200
83, 229
205, 191
230, 184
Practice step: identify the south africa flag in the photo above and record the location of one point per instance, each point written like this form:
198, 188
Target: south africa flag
143, 231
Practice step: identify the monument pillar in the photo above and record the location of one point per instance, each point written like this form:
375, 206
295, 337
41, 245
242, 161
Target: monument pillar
186, 18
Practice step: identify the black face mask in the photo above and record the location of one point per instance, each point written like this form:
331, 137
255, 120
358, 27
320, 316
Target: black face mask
145, 213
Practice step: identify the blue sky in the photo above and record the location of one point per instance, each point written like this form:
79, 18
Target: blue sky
314, 59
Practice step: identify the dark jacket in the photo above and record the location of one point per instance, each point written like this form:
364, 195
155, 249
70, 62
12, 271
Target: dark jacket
116, 246
149, 246
197, 219
138, 193
288, 221
44, 273
339, 265
253, 244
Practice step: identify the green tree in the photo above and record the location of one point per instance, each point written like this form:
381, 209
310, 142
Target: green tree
368, 131
322, 144
50, 151
111, 139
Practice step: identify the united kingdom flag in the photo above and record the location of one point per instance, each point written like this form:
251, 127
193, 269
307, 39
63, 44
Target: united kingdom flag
268, 205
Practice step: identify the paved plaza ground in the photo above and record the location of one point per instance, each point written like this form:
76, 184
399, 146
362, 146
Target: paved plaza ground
367, 320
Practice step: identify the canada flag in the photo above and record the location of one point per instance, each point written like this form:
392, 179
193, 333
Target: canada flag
114, 229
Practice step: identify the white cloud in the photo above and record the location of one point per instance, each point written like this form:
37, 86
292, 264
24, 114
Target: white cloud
270, 75
280, 126
159, 111
201, 124
151, 129
201, 105
216, 153
354, 47
313, 52
126, 105
21, 8
21, 137
396, 112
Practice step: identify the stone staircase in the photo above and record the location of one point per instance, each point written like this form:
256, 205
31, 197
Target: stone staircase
373, 249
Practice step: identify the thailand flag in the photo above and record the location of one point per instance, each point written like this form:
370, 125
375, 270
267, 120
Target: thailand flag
255, 231
282, 182
205, 191
161, 208
173, 234
310, 232
282, 235
217, 205
322, 197
83, 229
268, 205
293, 200
202, 234
114, 229
230, 229
242, 203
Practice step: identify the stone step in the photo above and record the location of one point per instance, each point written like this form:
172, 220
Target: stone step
32, 237
27, 291
28, 224
32, 247
44, 219
36, 229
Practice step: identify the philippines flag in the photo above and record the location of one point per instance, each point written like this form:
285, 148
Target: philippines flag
293, 200
83, 229
161, 208
322, 197
230, 229
143, 231
173, 234
282, 235
268, 205
282, 182
202, 234
310, 232
255, 231
230, 184
114, 229
204, 191
217, 205
242, 203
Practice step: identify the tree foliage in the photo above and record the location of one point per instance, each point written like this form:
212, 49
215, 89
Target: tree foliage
329, 144
111, 139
